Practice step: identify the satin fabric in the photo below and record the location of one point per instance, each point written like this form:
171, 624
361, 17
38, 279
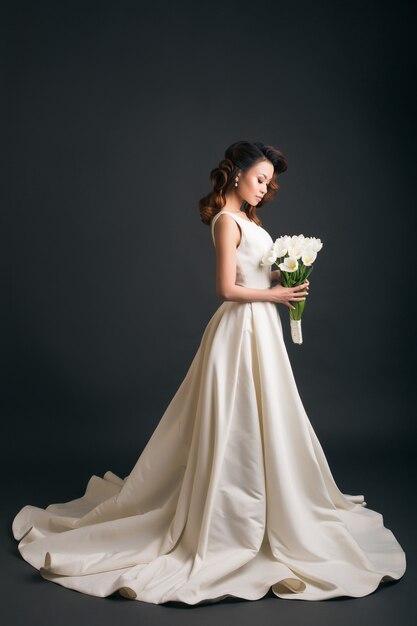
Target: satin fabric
232, 495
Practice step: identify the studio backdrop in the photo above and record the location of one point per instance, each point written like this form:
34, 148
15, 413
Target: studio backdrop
115, 114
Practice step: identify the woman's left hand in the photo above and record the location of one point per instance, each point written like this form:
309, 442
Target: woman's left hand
276, 276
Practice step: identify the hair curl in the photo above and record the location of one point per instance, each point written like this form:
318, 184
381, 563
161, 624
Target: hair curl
241, 155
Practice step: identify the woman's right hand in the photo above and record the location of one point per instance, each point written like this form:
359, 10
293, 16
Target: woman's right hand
286, 295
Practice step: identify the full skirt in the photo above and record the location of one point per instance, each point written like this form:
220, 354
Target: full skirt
232, 495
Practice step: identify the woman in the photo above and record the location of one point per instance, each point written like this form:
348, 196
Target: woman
232, 494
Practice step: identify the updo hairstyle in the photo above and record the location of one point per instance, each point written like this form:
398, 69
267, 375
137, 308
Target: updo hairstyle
240, 156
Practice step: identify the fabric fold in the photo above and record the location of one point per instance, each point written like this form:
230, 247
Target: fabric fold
232, 494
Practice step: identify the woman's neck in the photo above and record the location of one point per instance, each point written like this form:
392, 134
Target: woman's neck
233, 203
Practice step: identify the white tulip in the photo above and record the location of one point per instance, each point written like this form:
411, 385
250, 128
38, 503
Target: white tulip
295, 249
316, 244
309, 256
269, 257
290, 264
280, 247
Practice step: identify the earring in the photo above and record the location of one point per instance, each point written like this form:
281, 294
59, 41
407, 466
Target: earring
237, 179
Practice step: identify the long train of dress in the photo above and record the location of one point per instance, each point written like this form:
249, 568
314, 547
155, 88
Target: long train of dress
232, 495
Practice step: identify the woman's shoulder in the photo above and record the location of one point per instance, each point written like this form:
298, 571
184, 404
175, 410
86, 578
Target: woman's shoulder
225, 217
233, 215
218, 215
225, 223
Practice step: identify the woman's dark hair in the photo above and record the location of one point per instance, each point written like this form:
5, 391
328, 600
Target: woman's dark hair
241, 155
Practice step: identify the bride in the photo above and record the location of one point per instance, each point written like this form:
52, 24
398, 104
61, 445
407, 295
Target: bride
232, 495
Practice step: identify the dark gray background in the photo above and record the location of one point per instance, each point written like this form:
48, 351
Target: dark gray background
114, 114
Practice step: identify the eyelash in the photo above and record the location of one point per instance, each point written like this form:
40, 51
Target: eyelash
261, 181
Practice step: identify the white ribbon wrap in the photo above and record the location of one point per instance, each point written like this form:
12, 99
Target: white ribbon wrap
296, 333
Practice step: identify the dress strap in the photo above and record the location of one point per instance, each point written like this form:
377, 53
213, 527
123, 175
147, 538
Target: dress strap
237, 219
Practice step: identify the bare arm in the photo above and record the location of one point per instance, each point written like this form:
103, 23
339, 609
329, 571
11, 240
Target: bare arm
227, 237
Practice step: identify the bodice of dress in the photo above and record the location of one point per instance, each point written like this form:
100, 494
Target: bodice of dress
255, 241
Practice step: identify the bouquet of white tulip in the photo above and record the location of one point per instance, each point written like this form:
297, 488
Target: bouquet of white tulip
295, 257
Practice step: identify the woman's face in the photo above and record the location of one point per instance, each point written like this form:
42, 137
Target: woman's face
253, 184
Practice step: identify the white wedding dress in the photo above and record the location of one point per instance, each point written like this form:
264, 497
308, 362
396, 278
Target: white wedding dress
232, 494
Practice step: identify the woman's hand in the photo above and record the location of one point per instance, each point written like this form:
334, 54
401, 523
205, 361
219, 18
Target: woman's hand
286, 295
276, 276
